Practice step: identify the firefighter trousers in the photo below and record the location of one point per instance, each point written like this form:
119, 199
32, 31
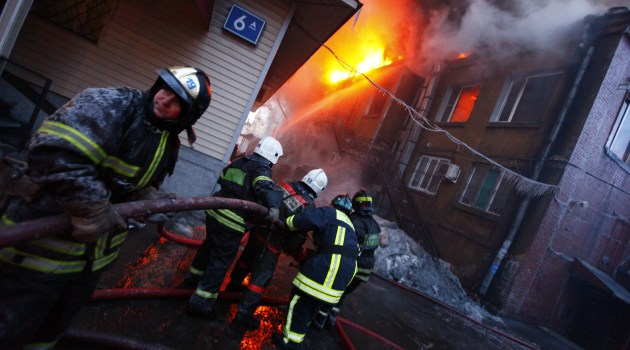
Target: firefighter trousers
302, 308
215, 255
36, 310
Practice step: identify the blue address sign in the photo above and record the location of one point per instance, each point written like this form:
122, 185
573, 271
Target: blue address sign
244, 24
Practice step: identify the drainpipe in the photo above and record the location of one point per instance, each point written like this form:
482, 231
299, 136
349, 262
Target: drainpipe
520, 213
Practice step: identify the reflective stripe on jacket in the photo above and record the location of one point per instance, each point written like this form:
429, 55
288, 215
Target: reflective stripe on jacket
326, 275
247, 178
98, 146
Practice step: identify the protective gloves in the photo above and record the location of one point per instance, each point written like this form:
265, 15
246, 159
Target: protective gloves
95, 219
150, 193
273, 217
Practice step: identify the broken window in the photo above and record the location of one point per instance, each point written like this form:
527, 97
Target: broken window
619, 140
86, 18
428, 174
486, 189
460, 104
526, 99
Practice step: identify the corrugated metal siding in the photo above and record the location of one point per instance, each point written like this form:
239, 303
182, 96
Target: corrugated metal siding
145, 35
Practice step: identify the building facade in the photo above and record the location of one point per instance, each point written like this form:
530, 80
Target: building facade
517, 163
77, 45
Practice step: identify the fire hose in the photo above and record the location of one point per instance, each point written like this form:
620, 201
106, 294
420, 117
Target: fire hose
58, 224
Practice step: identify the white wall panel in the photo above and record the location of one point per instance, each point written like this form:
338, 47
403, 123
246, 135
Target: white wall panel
144, 35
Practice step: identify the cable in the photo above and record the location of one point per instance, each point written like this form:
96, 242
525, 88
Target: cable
522, 184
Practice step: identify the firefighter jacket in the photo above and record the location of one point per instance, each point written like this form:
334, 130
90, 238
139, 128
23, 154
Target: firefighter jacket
326, 274
368, 236
247, 178
99, 146
295, 198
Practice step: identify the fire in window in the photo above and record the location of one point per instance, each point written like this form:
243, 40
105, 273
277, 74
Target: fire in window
460, 104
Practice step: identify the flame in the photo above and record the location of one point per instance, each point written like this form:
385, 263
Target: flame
462, 55
373, 59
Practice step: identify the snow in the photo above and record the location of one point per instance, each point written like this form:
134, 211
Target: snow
398, 258
403, 260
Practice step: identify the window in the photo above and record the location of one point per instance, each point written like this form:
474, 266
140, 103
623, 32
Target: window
526, 99
486, 190
379, 100
86, 18
428, 174
460, 103
619, 140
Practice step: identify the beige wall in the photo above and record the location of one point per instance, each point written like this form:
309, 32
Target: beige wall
144, 35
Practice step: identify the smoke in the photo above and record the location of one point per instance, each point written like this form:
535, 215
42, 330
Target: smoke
497, 25
421, 33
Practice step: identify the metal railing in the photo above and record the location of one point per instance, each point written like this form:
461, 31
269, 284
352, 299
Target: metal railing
381, 158
21, 91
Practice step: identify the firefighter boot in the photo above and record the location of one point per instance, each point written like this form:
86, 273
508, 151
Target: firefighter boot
319, 321
246, 320
330, 321
283, 343
332, 318
200, 307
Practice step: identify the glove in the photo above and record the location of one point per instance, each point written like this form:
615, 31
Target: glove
304, 255
99, 218
150, 193
273, 216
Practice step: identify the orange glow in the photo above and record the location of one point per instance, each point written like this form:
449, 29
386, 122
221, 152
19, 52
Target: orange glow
271, 319
462, 55
465, 104
373, 59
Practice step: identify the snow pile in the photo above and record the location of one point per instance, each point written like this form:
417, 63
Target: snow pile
403, 260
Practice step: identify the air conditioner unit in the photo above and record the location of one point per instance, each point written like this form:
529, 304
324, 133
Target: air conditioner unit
452, 173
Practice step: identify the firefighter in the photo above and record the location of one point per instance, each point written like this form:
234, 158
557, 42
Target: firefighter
368, 235
265, 244
106, 145
247, 178
323, 277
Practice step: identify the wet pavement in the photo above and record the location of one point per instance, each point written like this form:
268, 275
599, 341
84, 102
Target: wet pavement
378, 315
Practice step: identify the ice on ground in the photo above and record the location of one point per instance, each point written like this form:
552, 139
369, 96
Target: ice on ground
403, 260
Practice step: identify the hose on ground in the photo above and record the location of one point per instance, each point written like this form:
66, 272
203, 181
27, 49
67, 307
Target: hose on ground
115, 341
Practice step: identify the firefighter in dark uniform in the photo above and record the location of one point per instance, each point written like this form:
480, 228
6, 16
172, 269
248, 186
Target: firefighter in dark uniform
106, 145
325, 275
266, 242
247, 178
368, 234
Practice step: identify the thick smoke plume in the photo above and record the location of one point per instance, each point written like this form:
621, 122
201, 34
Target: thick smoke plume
419, 33
480, 25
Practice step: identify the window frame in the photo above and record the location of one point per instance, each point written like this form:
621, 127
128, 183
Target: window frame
449, 108
379, 96
88, 19
506, 94
622, 122
435, 179
495, 194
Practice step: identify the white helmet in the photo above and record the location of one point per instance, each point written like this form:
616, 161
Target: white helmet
316, 180
269, 148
